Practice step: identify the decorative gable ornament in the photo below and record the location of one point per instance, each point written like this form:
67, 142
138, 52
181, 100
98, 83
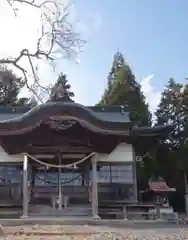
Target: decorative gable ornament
59, 91
61, 125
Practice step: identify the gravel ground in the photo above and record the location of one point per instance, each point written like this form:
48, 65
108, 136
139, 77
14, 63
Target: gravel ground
86, 232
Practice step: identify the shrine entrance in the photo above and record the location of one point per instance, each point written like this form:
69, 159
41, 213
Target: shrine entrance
60, 190
74, 189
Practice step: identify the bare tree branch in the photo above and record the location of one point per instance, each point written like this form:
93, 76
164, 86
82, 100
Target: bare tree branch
58, 38
31, 3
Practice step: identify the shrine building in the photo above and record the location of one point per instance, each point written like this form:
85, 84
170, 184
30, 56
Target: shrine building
63, 158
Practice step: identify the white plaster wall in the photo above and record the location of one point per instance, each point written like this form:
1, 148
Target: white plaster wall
122, 153
5, 157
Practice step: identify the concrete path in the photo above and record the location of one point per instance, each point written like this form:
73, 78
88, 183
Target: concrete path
86, 232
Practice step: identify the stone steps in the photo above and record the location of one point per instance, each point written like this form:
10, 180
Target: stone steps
71, 210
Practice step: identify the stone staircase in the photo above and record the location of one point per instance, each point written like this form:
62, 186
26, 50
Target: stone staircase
71, 210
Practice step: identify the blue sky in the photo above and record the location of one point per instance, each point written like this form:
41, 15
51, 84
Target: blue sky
152, 35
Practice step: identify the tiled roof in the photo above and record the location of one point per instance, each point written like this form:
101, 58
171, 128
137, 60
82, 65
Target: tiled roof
159, 186
105, 113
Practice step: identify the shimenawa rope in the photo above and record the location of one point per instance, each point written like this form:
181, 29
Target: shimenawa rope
61, 166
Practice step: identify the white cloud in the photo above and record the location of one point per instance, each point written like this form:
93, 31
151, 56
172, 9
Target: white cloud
17, 32
152, 96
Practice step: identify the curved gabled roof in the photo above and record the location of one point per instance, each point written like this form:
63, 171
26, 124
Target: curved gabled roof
111, 120
152, 131
104, 122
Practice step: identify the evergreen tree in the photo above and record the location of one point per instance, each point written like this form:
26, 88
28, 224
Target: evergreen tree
10, 86
123, 89
171, 158
170, 111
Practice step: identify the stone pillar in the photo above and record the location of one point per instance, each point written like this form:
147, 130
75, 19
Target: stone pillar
125, 212
25, 187
94, 188
158, 212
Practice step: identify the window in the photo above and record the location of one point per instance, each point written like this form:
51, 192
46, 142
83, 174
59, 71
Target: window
121, 174
104, 174
114, 173
51, 178
10, 175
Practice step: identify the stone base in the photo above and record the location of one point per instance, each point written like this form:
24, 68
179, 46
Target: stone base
96, 217
159, 220
24, 217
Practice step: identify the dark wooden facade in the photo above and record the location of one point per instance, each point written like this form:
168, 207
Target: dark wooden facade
67, 128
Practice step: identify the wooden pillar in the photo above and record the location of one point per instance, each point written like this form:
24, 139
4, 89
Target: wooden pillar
135, 187
59, 184
25, 187
87, 181
33, 170
94, 188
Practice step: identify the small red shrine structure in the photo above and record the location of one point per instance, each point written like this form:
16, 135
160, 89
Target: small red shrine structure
159, 186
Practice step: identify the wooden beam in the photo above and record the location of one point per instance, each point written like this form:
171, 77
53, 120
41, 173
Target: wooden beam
11, 164
63, 149
64, 156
